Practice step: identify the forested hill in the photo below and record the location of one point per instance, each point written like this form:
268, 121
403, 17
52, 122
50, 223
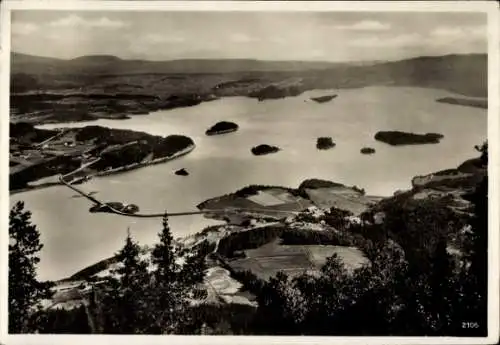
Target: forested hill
464, 74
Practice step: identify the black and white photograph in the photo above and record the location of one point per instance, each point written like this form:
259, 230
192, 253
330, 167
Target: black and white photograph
250, 169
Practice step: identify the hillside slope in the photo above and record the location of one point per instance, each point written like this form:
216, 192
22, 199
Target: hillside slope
465, 74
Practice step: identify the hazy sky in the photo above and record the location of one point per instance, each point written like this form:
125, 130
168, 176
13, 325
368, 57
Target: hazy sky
333, 36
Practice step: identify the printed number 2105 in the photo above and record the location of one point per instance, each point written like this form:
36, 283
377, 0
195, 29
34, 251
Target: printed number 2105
470, 325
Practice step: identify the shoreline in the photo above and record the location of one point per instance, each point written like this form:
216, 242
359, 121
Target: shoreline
225, 131
129, 114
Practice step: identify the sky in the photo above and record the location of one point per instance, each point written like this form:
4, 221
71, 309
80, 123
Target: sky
319, 36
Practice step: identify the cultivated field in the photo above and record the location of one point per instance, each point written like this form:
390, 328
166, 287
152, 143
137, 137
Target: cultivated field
341, 197
222, 287
272, 202
273, 257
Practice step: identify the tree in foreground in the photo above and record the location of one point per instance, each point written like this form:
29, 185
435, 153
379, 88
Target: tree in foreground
25, 291
124, 304
140, 301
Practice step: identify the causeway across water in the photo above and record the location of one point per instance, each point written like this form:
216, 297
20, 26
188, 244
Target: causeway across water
173, 214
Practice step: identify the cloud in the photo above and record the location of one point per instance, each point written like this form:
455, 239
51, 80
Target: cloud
160, 38
456, 32
394, 41
77, 21
23, 28
365, 25
240, 38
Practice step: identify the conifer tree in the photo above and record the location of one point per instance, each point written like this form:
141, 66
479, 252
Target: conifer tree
193, 270
163, 256
25, 291
169, 292
125, 303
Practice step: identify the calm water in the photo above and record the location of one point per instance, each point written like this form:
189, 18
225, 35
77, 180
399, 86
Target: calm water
75, 238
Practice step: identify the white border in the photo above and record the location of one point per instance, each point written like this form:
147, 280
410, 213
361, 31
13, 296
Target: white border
293, 6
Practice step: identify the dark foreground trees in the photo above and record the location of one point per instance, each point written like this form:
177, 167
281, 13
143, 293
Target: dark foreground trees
149, 294
25, 290
413, 286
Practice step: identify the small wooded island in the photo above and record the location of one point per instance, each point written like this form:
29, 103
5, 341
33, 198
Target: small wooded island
323, 99
115, 205
396, 138
182, 172
264, 149
367, 150
324, 143
222, 128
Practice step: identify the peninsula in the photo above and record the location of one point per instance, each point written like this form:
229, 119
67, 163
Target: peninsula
471, 102
38, 157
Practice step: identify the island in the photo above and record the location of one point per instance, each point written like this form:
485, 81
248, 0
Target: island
367, 150
118, 206
222, 128
324, 143
398, 138
323, 99
38, 157
182, 172
264, 149
471, 102
276, 92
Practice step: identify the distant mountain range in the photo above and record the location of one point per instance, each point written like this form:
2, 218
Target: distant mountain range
465, 74
109, 64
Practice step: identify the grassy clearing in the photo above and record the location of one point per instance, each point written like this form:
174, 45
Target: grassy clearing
342, 198
273, 257
263, 202
352, 257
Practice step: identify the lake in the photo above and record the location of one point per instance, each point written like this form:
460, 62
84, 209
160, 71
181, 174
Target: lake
74, 238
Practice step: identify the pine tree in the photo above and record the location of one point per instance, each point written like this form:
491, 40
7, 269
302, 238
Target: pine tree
25, 291
169, 293
193, 270
483, 149
163, 256
125, 304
